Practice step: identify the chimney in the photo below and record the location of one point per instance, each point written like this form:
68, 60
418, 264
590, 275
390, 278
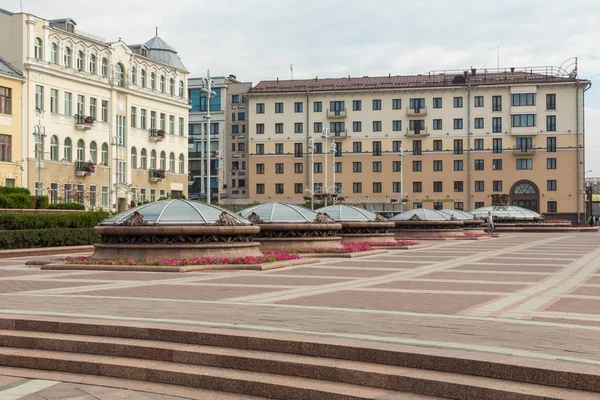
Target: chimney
512, 69
473, 71
277, 79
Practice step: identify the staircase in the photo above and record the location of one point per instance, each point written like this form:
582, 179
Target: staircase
265, 365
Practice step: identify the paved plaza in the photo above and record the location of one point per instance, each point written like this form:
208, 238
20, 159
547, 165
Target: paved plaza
532, 295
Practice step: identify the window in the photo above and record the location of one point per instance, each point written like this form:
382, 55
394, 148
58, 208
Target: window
478, 101
298, 150
143, 78
5, 148
551, 185
458, 123
79, 61
497, 146
417, 206
458, 102
357, 166
458, 165
260, 148
279, 127
93, 152
133, 158
356, 187
68, 154
298, 107
153, 159
417, 166
478, 144
54, 148
338, 168
437, 186
172, 162
496, 103
93, 196
497, 124
416, 104
524, 143
552, 206
551, 144
67, 57
278, 108
53, 101
162, 84
278, 148
298, 168
479, 186
523, 120
377, 187
376, 166
298, 188
397, 125
104, 154
260, 188
459, 206
104, 67
68, 103
92, 65
318, 168
162, 121
417, 149
497, 186
376, 126
318, 127
478, 123
181, 89
357, 126
437, 102
497, 164
54, 54
181, 164
68, 193
416, 125
479, 165
279, 168
396, 165
39, 97
181, 128
357, 147
523, 99
551, 163
260, 129
437, 165
37, 51
104, 111
377, 105
143, 163
133, 116
171, 86
80, 150
551, 123
235, 129
242, 116
458, 186
397, 146
417, 187
437, 124
318, 106
337, 107
396, 187
479, 204
260, 108
524, 163
298, 127
356, 105
152, 81
377, 148
133, 76
458, 146
318, 148
551, 102
80, 104
396, 104
437, 145
279, 188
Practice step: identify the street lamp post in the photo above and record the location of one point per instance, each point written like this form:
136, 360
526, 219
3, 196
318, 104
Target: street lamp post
401, 180
205, 169
325, 136
39, 132
219, 171
311, 191
585, 197
333, 187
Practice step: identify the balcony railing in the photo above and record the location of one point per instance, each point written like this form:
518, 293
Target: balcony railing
523, 150
417, 132
336, 113
341, 134
83, 123
156, 135
156, 175
416, 111
83, 168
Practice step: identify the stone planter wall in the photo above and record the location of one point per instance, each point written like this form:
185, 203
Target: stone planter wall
288, 236
420, 229
368, 231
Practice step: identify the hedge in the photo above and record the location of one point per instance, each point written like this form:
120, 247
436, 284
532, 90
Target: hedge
51, 221
15, 200
35, 238
39, 202
14, 190
66, 206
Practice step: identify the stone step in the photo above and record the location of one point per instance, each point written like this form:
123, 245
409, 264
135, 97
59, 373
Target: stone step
122, 352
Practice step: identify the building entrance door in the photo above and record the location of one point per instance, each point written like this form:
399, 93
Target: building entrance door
526, 195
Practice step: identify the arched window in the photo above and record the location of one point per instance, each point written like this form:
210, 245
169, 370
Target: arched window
181, 164
153, 81
153, 159
68, 156
38, 52
94, 153
133, 158
163, 160
143, 78
80, 60
105, 67
68, 57
143, 164
172, 86
133, 79
54, 54
104, 156
54, 148
93, 67
180, 88
120, 74
172, 162
524, 188
80, 150
162, 83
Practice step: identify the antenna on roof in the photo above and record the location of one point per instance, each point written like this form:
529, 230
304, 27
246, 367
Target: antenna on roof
157, 31
498, 60
292, 71
21, 5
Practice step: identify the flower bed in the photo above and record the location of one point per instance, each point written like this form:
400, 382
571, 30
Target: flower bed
395, 243
268, 256
347, 248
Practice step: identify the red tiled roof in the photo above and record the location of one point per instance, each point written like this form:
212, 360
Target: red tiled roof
409, 81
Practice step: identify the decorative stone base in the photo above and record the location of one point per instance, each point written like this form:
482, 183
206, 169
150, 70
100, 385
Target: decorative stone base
368, 237
300, 243
176, 251
424, 233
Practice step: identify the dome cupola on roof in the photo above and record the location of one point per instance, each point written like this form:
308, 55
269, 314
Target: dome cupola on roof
341, 212
278, 212
508, 213
159, 50
422, 214
458, 214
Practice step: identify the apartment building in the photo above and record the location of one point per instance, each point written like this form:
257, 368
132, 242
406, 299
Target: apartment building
108, 119
11, 83
465, 135
237, 137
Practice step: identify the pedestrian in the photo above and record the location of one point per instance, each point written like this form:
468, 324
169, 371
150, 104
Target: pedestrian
490, 222
591, 220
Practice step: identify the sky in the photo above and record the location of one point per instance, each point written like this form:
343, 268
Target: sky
259, 39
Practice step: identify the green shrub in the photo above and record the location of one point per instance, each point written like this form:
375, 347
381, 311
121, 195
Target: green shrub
66, 206
14, 190
36, 238
39, 202
51, 221
15, 200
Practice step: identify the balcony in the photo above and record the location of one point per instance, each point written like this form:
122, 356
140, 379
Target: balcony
416, 132
84, 168
83, 123
156, 175
523, 151
416, 112
342, 134
156, 135
336, 113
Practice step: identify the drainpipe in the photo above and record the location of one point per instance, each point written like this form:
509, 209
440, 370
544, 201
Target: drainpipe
468, 142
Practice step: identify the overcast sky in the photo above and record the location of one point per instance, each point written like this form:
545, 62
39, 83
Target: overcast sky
259, 39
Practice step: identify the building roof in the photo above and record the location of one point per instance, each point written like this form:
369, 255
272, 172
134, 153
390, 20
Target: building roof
446, 79
159, 50
7, 69
3, 11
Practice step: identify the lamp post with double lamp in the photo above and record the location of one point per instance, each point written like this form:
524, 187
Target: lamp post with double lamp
401, 154
333, 187
587, 197
311, 191
39, 133
219, 177
325, 136
205, 168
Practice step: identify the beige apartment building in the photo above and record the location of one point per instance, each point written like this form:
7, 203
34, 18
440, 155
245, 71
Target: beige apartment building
104, 123
465, 136
11, 82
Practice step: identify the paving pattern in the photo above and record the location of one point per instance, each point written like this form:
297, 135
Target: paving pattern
534, 295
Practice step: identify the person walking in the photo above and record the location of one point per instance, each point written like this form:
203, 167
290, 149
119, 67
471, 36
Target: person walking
490, 222
591, 220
